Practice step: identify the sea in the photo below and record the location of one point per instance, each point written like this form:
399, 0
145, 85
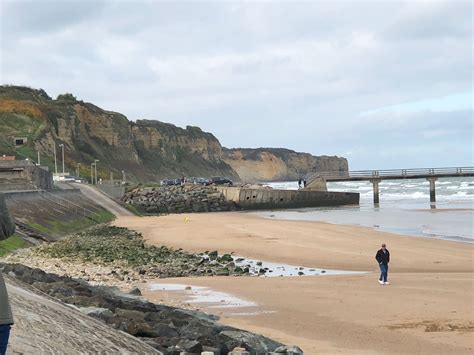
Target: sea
404, 208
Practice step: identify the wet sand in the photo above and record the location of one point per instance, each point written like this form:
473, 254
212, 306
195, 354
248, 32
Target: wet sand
428, 308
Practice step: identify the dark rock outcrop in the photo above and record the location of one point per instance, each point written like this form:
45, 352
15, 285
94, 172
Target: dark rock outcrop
167, 329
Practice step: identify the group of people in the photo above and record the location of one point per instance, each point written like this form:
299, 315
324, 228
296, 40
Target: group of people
301, 183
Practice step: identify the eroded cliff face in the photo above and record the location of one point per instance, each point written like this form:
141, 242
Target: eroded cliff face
270, 164
147, 150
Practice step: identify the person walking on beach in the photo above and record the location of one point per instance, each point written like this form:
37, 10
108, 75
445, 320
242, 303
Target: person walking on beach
383, 258
6, 319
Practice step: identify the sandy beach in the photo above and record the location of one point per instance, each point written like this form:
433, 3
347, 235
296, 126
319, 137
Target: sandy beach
428, 308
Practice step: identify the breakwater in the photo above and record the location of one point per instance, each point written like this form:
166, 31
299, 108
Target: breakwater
259, 199
198, 198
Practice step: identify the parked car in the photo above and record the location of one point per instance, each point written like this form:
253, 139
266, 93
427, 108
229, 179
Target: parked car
197, 181
167, 182
219, 180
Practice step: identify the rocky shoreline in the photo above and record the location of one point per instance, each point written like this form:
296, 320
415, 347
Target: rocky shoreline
101, 271
167, 329
178, 199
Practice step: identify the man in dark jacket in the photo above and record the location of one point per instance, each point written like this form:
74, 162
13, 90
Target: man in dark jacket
383, 258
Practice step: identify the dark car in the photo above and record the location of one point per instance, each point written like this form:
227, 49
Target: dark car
197, 181
219, 180
167, 182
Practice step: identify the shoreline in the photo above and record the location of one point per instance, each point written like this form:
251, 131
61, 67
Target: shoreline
411, 231
427, 307
457, 239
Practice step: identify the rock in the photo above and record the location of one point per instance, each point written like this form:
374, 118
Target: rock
213, 255
190, 346
293, 350
227, 257
135, 292
101, 313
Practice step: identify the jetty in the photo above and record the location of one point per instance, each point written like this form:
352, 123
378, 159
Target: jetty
377, 176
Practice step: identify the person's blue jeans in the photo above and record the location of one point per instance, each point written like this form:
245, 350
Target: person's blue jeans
4, 335
383, 272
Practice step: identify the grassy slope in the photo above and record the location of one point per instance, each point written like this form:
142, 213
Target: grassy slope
11, 244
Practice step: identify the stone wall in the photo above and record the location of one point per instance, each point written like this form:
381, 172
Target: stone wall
7, 227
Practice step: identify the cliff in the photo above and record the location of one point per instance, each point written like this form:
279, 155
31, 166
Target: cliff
147, 150
278, 164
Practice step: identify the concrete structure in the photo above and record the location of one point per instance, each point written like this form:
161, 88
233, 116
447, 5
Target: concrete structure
7, 227
251, 199
376, 176
24, 175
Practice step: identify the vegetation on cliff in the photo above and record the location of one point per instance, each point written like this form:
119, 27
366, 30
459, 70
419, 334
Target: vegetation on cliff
146, 150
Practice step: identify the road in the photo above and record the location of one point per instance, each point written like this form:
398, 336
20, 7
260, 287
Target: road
103, 200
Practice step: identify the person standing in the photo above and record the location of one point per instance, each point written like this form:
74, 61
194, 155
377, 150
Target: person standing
383, 258
304, 183
299, 183
6, 319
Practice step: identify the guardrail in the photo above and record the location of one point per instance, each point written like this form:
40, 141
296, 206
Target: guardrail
414, 172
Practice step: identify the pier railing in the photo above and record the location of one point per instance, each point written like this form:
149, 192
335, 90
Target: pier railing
398, 173
377, 176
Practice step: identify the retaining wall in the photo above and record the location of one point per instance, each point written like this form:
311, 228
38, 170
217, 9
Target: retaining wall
269, 199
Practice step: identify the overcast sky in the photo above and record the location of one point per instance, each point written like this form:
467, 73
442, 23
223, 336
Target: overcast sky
385, 84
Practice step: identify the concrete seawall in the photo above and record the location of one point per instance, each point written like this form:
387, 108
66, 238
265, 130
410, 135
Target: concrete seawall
251, 199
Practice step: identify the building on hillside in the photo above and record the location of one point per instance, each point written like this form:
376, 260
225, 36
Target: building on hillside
24, 175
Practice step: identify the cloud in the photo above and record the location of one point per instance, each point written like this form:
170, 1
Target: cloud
293, 74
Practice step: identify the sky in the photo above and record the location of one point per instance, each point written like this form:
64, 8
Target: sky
386, 84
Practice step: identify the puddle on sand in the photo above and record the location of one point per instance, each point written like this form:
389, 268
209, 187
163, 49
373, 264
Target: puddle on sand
271, 269
205, 296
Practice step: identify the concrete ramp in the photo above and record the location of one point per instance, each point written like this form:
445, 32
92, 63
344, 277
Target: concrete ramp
44, 325
103, 200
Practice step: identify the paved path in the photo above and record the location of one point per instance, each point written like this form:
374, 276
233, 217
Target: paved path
103, 200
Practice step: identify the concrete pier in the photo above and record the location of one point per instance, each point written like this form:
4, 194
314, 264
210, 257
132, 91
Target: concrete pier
260, 199
432, 181
375, 186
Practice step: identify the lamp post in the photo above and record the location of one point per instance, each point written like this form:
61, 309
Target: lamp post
92, 173
123, 177
95, 169
39, 158
55, 161
78, 172
62, 147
